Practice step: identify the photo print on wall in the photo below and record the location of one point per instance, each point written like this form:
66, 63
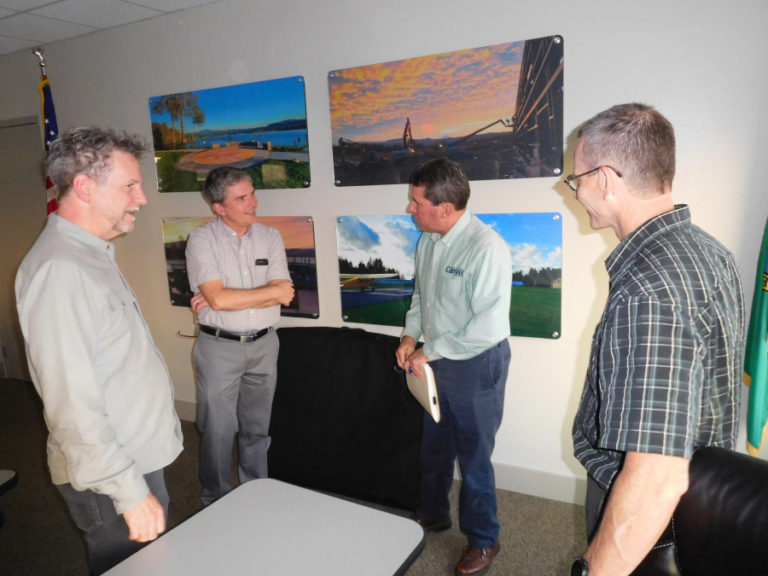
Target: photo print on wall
497, 110
376, 269
260, 127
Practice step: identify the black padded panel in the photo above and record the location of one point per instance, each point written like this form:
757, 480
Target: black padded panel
662, 559
343, 420
721, 523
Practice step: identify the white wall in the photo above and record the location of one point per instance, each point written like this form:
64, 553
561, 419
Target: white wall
701, 62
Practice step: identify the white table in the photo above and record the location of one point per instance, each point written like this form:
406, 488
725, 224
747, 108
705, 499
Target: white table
270, 527
7, 480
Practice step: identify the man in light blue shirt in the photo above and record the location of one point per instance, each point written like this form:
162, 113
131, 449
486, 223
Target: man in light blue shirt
460, 306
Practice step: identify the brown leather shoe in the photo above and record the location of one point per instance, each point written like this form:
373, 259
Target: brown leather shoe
475, 561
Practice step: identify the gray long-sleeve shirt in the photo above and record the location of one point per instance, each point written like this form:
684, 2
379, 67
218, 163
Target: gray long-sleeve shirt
106, 391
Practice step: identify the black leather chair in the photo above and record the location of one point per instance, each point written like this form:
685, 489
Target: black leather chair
8, 480
720, 526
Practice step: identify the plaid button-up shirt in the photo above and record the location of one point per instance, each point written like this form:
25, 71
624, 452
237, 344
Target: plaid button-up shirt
667, 355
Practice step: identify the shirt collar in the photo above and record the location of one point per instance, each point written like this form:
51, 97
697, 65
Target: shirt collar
228, 231
624, 254
78, 233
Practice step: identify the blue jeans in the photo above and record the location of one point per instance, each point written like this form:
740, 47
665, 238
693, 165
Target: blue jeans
106, 533
471, 394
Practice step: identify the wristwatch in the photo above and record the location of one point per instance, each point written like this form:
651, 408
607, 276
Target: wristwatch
580, 567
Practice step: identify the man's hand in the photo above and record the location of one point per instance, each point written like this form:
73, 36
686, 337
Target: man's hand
284, 291
198, 302
410, 359
406, 348
219, 297
415, 362
145, 521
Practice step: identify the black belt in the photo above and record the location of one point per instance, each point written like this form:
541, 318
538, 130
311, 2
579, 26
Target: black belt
219, 333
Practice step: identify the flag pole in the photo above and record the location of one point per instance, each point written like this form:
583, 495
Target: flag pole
50, 126
39, 53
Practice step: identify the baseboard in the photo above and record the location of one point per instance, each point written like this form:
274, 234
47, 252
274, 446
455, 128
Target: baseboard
568, 489
186, 410
513, 478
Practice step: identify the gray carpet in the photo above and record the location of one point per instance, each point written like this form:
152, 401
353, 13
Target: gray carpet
539, 537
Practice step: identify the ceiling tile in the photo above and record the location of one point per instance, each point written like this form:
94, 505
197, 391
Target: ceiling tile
8, 44
40, 29
96, 13
172, 5
25, 23
21, 5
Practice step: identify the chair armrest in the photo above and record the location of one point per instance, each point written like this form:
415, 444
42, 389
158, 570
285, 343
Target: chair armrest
721, 522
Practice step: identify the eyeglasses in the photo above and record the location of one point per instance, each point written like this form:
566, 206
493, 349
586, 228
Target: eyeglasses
574, 180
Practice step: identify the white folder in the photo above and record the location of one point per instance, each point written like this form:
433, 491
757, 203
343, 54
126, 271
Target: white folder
425, 391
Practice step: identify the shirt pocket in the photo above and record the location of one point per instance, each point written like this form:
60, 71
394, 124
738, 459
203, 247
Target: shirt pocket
259, 268
120, 303
118, 325
451, 287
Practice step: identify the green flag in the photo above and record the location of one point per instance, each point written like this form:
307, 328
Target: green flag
756, 358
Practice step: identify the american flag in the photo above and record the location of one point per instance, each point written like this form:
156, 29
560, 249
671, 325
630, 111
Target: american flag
51, 132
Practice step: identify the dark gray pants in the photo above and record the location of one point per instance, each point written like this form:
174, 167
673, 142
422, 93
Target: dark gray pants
235, 387
596, 497
106, 533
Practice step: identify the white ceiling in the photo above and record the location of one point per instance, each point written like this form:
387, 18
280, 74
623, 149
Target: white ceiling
28, 24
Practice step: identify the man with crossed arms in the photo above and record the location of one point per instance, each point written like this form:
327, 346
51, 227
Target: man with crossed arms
238, 269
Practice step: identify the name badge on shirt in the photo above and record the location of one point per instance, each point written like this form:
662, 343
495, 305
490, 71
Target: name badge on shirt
262, 262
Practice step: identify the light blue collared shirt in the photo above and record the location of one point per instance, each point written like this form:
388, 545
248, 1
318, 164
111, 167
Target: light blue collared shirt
462, 291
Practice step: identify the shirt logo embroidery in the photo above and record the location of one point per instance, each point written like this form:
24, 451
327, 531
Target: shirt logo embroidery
262, 262
455, 271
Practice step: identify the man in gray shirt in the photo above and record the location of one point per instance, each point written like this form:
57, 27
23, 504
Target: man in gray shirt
238, 270
107, 395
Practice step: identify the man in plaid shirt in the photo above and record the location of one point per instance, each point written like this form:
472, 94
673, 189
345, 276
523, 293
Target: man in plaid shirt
666, 356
